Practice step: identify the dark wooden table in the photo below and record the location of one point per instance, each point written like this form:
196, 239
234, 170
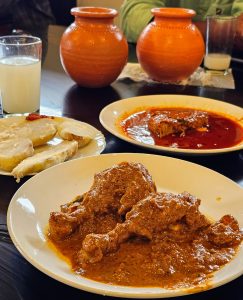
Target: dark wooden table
61, 96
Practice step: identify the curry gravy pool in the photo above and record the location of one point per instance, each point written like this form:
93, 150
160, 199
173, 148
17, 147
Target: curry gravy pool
123, 232
183, 128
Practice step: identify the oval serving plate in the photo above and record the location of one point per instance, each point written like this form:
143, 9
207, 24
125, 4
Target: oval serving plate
29, 210
111, 115
94, 147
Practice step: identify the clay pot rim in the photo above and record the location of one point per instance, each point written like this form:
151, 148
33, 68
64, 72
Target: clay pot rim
173, 12
94, 12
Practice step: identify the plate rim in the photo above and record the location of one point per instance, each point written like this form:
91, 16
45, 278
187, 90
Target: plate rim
178, 151
97, 290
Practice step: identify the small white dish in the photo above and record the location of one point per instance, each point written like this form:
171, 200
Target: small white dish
111, 114
29, 210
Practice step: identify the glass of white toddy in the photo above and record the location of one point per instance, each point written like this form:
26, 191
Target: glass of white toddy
20, 73
220, 33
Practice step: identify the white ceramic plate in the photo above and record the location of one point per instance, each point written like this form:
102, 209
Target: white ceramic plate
29, 210
111, 114
96, 146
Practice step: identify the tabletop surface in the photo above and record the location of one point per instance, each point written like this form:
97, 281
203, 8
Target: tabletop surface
61, 96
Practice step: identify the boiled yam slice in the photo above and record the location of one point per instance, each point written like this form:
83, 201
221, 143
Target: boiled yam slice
43, 160
71, 130
14, 132
13, 151
38, 131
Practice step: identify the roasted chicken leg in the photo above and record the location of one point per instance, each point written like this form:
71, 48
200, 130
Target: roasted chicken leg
150, 215
115, 189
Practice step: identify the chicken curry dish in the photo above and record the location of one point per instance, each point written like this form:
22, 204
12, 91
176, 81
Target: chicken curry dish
182, 128
122, 231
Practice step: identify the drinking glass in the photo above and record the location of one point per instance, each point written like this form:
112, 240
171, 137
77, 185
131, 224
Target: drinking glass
220, 33
20, 73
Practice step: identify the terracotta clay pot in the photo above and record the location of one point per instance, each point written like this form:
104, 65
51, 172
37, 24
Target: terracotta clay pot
170, 48
93, 50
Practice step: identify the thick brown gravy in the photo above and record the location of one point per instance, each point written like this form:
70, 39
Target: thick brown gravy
222, 131
170, 261
122, 231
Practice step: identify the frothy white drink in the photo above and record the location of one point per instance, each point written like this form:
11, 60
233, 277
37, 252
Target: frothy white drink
20, 84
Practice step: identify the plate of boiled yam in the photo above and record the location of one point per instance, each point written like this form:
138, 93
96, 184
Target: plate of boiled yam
30, 144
